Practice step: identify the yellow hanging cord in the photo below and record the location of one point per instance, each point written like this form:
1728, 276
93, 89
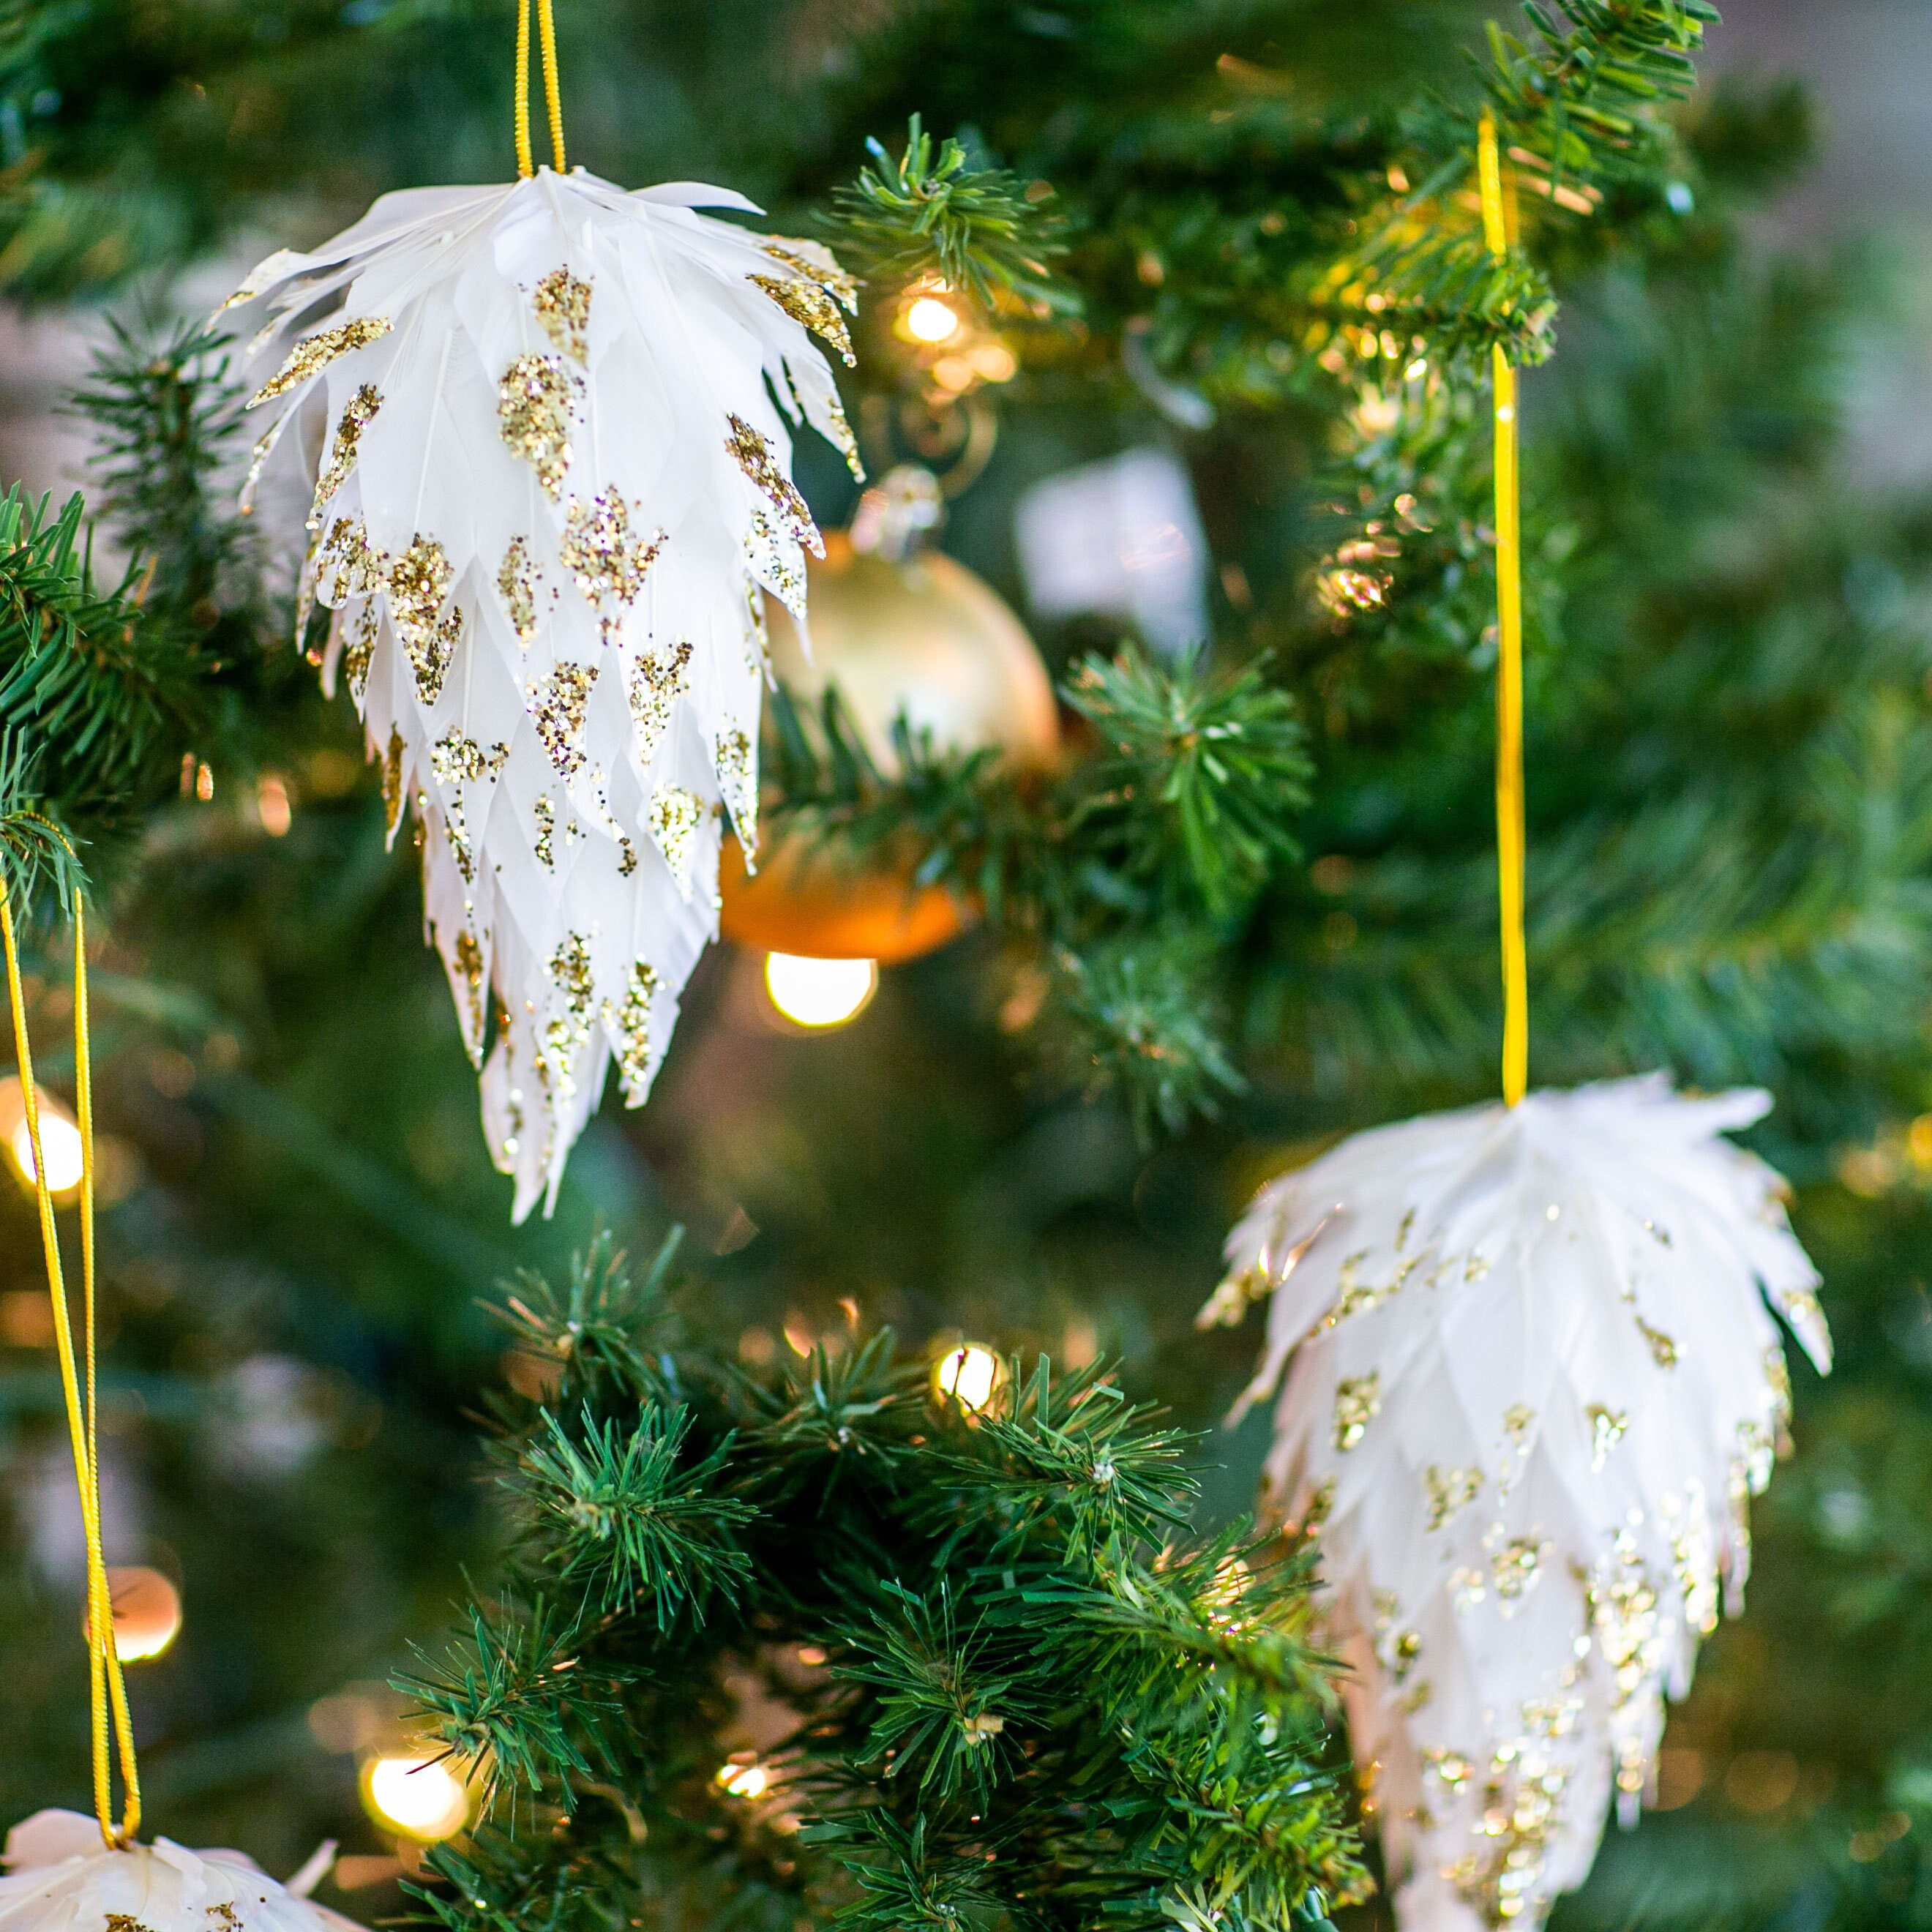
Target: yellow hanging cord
109, 1688
1511, 838
552, 93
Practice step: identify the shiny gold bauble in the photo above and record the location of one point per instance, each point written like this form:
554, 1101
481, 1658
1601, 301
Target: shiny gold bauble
924, 636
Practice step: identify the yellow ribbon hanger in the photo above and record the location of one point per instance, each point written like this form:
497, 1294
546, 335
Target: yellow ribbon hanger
109, 1690
1498, 219
553, 96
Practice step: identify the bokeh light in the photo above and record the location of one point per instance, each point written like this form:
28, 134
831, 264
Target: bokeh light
60, 1137
417, 1795
968, 1374
928, 319
820, 992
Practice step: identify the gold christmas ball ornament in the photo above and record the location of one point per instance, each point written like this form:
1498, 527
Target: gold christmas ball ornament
896, 629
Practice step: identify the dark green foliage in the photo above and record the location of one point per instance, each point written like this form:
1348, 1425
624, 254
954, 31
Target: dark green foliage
990, 1672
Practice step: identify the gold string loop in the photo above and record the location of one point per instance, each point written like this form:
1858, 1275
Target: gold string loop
553, 92
1511, 833
107, 1687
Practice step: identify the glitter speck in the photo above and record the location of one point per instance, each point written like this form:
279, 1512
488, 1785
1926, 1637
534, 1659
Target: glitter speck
562, 303
1358, 1401
314, 353
534, 403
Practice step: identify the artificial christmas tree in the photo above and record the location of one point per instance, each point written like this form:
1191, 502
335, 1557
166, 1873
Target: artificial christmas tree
1262, 883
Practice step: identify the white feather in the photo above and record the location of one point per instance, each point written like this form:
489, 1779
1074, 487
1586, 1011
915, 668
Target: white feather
59, 1875
1532, 1384
546, 432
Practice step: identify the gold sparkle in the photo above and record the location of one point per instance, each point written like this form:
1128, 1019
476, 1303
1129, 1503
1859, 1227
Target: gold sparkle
568, 1032
314, 353
817, 263
534, 403
470, 964
562, 303
656, 685
1516, 1566
357, 415
1606, 1431
358, 651
516, 587
676, 815
1450, 1490
759, 460
1662, 1349
631, 1023
557, 703
738, 780
419, 581
1358, 1401
392, 782
598, 551
457, 757
808, 305
354, 566
544, 812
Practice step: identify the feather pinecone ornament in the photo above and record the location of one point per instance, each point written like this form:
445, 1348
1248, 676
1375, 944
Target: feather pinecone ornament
60, 1876
541, 435
1532, 1386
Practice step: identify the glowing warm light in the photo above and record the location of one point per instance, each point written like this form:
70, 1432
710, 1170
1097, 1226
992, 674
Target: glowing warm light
928, 319
272, 805
744, 1781
147, 1612
820, 992
421, 1797
968, 1375
60, 1138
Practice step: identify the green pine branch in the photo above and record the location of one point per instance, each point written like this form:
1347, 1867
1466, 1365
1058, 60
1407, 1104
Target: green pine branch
937, 211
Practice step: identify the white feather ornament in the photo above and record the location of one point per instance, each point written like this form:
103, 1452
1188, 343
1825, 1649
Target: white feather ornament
1534, 1385
61, 1878
541, 437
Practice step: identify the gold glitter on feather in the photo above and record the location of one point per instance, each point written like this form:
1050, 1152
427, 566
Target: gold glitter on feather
1358, 1401
517, 588
314, 353
814, 261
557, 703
392, 782
419, 581
358, 652
808, 305
470, 964
630, 1025
597, 550
676, 814
562, 305
656, 685
759, 461
534, 403
357, 415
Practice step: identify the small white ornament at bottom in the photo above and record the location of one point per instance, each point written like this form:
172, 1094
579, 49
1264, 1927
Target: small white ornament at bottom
60, 1875
1534, 1385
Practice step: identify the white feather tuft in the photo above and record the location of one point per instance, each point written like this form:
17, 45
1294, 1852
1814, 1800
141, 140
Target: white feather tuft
1532, 1385
545, 433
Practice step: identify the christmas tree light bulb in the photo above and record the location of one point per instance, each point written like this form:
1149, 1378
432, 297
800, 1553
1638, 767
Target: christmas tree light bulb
819, 993
744, 1781
928, 319
60, 1137
420, 1796
968, 1374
